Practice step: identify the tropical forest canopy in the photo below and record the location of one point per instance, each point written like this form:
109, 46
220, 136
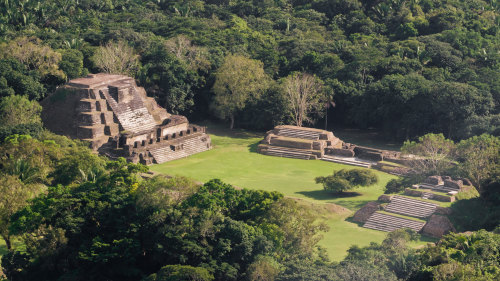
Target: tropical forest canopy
408, 67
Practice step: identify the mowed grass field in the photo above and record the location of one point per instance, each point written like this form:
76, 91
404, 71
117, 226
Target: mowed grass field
234, 160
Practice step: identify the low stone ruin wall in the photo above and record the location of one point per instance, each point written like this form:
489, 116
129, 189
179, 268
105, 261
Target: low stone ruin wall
435, 180
447, 181
291, 143
339, 152
366, 211
456, 184
437, 197
438, 226
372, 156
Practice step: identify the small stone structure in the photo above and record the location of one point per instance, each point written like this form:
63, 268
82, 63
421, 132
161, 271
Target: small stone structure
438, 226
421, 216
385, 198
298, 142
309, 143
444, 184
363, 214
429, 195
119, 120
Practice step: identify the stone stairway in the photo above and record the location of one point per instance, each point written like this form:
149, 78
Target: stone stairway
426, 195
410, 207
133, 116
440, 188
347, 160
289, 153
297, 133
190, 146
385, 222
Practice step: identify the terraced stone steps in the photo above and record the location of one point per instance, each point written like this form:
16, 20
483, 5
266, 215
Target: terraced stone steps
410, 207
440, 188
137, 120
279, 152
346, 160
426, 195
133, 116
388, 223
190, 146
282, 148
297, 133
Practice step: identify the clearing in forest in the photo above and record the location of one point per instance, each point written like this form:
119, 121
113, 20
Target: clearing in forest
234, 160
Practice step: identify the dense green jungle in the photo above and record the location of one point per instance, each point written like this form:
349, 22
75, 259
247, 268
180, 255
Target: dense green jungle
422, 73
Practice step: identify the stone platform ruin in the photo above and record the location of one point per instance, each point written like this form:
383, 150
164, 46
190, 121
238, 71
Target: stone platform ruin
119, 120
403, 212
309, 143
297, 142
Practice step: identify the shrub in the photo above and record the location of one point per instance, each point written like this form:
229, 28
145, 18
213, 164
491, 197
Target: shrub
395, 186
343, 180
358, 177
334, 183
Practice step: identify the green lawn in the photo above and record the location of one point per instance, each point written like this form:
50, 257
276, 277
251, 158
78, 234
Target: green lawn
234, 160
16, 244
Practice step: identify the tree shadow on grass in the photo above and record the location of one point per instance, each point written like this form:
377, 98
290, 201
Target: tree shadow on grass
352, 205
350, 219
223, 131
253, 147
323, 195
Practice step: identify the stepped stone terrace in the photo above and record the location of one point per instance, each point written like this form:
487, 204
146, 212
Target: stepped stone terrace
403, 212
309, 144
119, 120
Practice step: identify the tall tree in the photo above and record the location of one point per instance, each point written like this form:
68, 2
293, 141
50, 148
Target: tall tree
237, 80
432, 154
15, 194
35, 56
117, 58
16, 110
479, 156
305, 93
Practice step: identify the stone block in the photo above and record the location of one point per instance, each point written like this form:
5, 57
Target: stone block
366, 211
285, 142
385, 198
453, 184
111, 129
434, 180
465, 181
340, 152
107, 117
372, 156
413, 192
89, 118
318, 145
86, 106
90, 132
437, 226
442, 198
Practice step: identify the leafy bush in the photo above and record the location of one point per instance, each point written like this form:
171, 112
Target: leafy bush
358, 177
343, 180
180, 272
395, 186
33, 130
334, 183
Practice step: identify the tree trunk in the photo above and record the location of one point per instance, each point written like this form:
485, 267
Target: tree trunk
7, 242
326, 118
232, 122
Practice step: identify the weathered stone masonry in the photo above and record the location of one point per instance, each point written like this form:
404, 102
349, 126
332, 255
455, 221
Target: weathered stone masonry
119, 120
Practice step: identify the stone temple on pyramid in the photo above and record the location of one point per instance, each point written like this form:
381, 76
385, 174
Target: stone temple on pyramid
119, 120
